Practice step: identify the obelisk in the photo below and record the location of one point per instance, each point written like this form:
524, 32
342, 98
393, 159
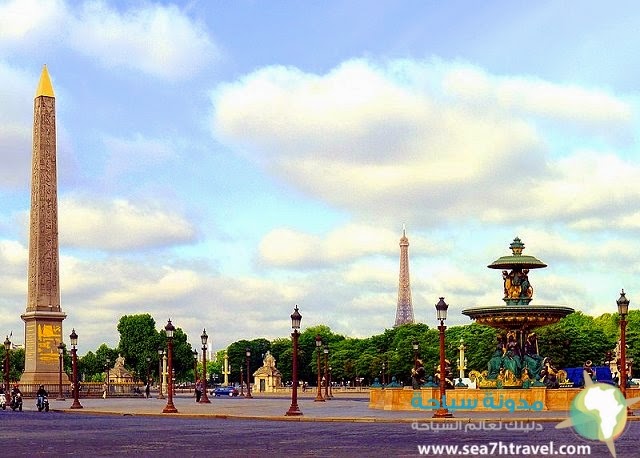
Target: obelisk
43, 317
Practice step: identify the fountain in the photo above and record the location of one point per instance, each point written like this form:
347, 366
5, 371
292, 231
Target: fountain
517, 374
516, 361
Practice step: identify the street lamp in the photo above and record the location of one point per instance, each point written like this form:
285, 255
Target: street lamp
60, 353
195, 367
204, 399
415, 354
248, 355
241, 381
160, 355
623, 310
441, 310
330, 384
107, 369
319, 397
326, 371
170, 408
296, 318
7, 348
383, 367
462, 361
74, 357
148, 368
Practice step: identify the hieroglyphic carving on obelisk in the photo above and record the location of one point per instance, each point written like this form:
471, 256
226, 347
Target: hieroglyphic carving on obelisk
43, 317
404, 311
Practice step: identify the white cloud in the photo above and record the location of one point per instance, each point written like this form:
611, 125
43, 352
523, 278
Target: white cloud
120, 225
422, 142
29, 23
158, 40
578, 105
285, 247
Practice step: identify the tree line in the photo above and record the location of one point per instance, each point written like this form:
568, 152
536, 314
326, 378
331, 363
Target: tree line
569, 343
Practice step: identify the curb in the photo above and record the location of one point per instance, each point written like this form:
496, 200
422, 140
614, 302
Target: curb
302, 418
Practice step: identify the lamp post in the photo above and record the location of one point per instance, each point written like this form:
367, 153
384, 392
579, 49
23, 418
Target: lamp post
383, 367
148, 368
326, 371
330, 383
623, 310
241, 381
195, 367
415, 346
248, 356
170, 408
160, 355
441, 310
60, 353
7, 348
107, 369
204, 399
319, 397
74, 358
462, 361
296, 318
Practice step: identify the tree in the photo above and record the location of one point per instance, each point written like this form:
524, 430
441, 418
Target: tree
89, 368
139, 340
282, 351
16, 362
182, 355
573, 340
479, 342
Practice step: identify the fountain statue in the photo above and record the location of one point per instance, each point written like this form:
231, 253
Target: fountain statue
516, 362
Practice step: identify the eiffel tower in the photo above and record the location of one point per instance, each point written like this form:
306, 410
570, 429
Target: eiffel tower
404, 312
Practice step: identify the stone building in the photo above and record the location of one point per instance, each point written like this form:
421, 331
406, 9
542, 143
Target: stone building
267, 378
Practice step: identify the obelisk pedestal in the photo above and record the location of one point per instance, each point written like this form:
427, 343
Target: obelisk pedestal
43, 317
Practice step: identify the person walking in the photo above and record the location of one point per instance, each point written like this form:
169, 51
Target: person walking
198, 390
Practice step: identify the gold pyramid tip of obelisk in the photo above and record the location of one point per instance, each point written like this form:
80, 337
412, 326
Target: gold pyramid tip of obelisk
44, 86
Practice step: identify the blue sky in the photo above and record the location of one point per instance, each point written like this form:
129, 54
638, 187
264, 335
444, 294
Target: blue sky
220, 162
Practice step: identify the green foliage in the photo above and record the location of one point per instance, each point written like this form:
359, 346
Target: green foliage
140, 340
182, 355
238, 357
479, 342
282, 351
573, 340
16, 363
569, 343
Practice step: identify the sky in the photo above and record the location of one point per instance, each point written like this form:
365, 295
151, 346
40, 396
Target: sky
220, 162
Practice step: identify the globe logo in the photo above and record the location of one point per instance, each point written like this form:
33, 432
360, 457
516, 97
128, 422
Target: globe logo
598, 412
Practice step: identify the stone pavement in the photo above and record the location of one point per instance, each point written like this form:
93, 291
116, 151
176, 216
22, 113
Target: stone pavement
344, 407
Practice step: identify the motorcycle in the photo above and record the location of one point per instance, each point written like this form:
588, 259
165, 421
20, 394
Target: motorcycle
3, 401
42, 403
16, 402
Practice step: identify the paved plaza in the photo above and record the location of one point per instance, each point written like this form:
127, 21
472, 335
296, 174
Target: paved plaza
343, 426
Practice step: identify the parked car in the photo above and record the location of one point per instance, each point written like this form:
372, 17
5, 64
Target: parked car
224, 391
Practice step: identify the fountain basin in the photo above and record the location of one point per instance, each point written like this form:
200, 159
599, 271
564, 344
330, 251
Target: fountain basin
518, 317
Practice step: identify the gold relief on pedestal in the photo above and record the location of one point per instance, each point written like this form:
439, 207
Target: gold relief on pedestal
48, 338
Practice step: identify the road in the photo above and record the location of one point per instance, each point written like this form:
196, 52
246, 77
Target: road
32, 433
